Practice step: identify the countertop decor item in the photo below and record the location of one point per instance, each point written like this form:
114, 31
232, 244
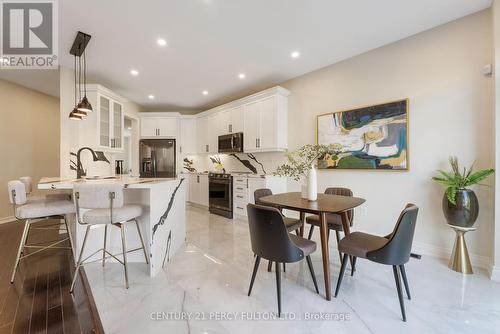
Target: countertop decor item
188, 165
460, 204
374, 137
302, 166
218, 164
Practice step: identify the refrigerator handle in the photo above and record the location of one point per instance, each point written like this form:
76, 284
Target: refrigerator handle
153, 162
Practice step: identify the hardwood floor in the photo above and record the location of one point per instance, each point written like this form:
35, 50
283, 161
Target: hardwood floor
39, 300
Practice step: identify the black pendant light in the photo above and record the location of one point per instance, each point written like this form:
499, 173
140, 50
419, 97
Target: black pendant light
76, 114
77, 50
84, 105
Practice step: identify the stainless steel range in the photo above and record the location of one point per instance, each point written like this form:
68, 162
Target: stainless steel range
220, 194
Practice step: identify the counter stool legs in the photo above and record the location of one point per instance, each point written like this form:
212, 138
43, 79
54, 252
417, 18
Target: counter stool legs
21, 248
70, 237
124, 248
104, 246
79, 263
142, 241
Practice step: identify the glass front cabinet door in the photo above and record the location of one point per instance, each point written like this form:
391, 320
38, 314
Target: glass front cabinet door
110, 124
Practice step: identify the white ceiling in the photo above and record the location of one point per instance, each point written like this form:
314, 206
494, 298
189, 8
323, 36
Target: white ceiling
211, 41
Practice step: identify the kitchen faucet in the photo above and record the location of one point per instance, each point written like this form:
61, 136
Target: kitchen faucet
96, 155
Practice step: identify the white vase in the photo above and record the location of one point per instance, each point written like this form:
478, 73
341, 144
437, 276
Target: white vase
304, 193
312, 185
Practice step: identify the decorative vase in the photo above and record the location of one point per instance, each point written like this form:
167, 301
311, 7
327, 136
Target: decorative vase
464, 213
312, 185
303, 193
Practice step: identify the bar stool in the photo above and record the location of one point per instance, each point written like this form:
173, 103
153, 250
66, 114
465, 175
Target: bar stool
105, 207
28, 183
37, 211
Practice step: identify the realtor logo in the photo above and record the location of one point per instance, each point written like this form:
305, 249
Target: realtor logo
29, 34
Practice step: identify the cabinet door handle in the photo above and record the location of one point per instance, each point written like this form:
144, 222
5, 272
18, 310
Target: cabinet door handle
256, 142
239, 188
180, 149
239, 196
230, 128
206, 148
239, 207
247, 183
197, 178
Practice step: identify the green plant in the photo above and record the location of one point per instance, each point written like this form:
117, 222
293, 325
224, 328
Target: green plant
301, 160
456, 179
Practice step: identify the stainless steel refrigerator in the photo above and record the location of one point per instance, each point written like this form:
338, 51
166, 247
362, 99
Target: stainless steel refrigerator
157, 157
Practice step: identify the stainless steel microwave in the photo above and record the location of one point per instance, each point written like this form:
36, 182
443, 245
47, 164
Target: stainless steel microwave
231, 143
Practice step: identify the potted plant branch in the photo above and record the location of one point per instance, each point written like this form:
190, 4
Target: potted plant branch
302, 165
460, 204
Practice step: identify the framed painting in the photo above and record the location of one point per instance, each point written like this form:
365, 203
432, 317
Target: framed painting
373, 137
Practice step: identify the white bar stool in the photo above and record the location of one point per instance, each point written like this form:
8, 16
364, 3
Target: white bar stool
105, 207
37, 211
28, 183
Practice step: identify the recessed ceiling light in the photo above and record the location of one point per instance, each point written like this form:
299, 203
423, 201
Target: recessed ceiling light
151, 97
242, 76
134, 72
161, 42
205, 92
295, 54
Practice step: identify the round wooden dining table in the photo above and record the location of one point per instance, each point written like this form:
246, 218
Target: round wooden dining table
322, 206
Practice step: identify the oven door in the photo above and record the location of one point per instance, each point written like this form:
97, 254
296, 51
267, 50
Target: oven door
219, 194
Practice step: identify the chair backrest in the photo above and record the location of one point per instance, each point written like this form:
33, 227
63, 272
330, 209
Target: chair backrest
28, 183
259, 193
342, 192
398, 248
17, 192
98, 195
269, 236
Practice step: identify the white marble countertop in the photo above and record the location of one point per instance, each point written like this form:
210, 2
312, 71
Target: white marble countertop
128, 181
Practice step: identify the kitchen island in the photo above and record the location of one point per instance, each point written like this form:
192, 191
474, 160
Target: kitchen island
163, 222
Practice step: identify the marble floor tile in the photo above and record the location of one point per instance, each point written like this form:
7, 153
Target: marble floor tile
203, 289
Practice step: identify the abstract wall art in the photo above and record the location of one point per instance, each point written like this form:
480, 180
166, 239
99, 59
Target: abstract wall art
374, 137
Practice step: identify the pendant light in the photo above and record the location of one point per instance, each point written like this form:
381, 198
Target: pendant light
76, 114
84, 105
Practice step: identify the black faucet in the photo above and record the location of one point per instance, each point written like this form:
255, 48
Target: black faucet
96, 155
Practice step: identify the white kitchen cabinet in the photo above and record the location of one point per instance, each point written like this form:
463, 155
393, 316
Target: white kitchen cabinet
202, 135
188, 136
198, 189
244, 187
266, 124
231, 121
102, 129
162, 127
213, 133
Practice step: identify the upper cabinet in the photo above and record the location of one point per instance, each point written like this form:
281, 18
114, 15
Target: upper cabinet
162, 127
188, 136
231, 120
103, 128
266, 124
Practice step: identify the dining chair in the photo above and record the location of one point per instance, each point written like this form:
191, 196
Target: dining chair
36, 211
334, 220
271, 241
105, 206
291, 224
393, 249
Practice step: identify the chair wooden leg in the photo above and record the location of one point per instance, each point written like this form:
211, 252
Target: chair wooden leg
255, 268
311, 230
353, 268
400, 293
337, 236
311, 270
405, 280
269, 266
21, 248
342, 271
278, 286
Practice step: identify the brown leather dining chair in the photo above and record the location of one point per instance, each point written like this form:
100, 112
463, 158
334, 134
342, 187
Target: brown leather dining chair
393, 249
334, 220
271, 241
291, 224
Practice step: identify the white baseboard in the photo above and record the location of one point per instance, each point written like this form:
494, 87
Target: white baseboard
477, 261
7, 219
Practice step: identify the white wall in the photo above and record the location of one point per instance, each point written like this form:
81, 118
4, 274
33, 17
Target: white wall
495, 268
